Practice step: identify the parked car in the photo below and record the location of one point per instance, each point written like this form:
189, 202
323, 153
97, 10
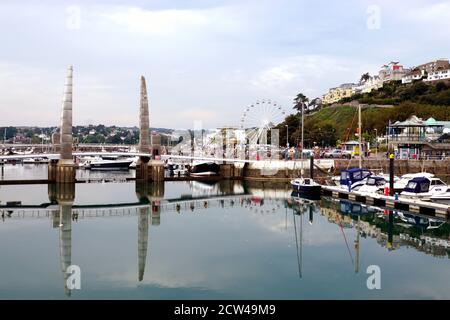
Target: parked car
338, 154
307, 153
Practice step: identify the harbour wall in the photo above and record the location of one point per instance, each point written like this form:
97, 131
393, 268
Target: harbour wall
401, 167
323, 168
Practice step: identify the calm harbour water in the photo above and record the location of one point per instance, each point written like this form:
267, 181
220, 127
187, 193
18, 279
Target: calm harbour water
190, 240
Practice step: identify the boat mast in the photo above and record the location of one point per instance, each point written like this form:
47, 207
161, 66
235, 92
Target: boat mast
359, 136
301, 154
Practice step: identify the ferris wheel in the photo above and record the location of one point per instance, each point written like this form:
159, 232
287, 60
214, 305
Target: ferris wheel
260, 117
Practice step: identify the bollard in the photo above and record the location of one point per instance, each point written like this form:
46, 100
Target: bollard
391, 174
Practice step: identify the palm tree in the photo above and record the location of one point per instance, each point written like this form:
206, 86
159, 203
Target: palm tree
300, 101
315, 103
365, 77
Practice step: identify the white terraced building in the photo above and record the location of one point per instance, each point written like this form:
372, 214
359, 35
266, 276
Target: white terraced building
438, 75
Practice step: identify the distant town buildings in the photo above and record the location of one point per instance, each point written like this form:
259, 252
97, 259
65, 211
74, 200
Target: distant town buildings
392, 71
430, 71
335, 94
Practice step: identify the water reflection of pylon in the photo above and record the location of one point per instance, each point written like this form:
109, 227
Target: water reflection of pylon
151, 194
64, 195
142, 241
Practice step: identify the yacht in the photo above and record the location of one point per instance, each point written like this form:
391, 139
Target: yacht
423, 187
85, 162
205, 169
305, 186
104, 164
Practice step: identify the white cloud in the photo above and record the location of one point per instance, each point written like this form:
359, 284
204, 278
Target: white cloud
311, 74
434, 15
172, 22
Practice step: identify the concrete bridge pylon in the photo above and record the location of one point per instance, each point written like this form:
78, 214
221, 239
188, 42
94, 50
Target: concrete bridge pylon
146, 169
63, 170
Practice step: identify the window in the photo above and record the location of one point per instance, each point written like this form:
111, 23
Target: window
424, 187
357, 175
411, 185
344, 175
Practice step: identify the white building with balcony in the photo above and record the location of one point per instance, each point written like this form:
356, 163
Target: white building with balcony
439, 75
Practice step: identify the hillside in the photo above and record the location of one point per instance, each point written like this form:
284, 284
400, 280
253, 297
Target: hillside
395, 93
331, 124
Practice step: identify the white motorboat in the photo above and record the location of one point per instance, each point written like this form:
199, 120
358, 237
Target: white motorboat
422, 187
442, 197
180, 170
374, 184
35, 161
400, 185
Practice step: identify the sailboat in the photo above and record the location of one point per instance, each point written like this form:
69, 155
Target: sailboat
305, 186
355, 178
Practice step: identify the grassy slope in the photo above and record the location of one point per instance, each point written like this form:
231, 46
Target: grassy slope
341, 117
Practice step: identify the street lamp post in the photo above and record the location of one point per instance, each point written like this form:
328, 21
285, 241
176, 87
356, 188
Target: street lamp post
376, 143
287, 135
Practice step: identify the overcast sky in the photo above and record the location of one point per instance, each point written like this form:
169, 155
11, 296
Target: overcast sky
203, 60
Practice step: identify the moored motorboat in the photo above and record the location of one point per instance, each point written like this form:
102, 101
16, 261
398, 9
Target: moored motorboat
422, 187
35, 161
442, 197
400, 185
306, 186
374, 184
180, 170
119, 164
355, 178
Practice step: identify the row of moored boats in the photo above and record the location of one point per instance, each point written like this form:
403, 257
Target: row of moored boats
420, 185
